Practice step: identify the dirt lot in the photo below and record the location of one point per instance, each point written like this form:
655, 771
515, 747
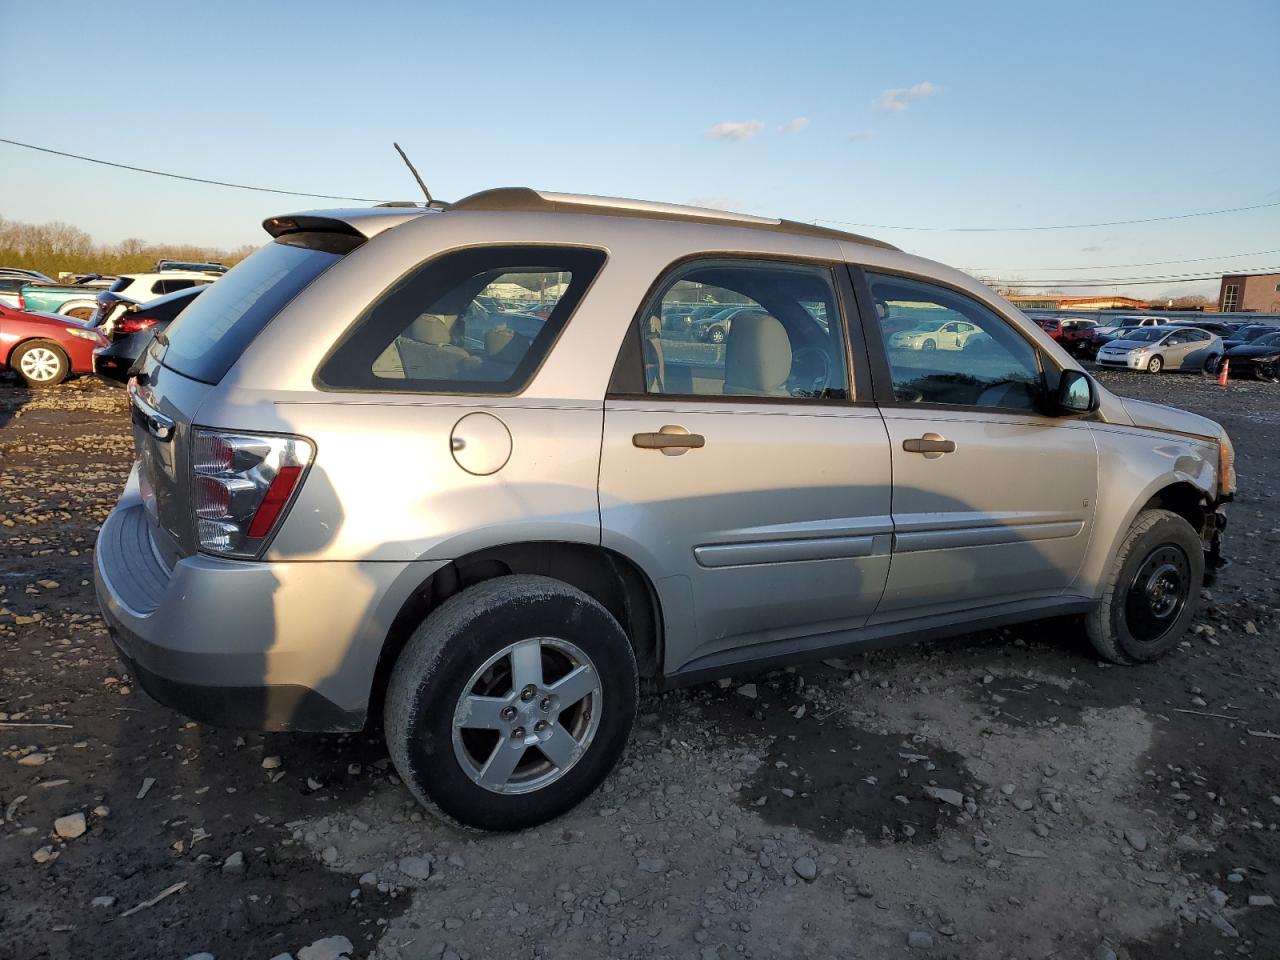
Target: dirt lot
1101, 811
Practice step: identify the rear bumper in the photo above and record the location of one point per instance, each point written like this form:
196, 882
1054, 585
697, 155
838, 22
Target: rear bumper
260, 646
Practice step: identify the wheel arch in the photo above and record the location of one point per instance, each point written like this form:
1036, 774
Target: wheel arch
614, 580
1176, 493
27, 341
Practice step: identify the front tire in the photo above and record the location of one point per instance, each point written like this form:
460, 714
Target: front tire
1152, 590
1267, 372
716, 335
1155, 364
511, 703
40, 364
929, 345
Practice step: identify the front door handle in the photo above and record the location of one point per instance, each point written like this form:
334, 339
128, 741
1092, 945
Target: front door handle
672, 440
932, 445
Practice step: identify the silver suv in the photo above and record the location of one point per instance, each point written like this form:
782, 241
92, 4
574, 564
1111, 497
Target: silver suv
448, 467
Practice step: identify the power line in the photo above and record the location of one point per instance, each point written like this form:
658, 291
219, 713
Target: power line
850, 223
1056, 226
179, 176
1158, 278
1061, 282
1116, 266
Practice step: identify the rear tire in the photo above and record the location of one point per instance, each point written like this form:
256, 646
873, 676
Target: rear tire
493, 675
1155, 364
40, 363
1151, 592
1211, 365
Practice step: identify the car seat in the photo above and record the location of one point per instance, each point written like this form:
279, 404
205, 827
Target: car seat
757, 359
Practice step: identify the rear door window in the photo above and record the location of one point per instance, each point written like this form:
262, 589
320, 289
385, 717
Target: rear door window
209, 336
476, 321
755, 329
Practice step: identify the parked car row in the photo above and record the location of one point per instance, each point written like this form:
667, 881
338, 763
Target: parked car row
1152, 344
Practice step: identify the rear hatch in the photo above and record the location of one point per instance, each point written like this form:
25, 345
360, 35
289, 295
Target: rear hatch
185, 363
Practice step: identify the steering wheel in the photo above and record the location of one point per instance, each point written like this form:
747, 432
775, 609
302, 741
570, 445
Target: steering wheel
810, 372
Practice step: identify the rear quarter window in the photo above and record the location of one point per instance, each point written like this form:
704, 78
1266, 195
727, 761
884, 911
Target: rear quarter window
209, 336
474, 321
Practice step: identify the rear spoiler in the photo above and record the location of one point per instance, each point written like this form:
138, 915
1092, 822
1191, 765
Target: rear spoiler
363, 223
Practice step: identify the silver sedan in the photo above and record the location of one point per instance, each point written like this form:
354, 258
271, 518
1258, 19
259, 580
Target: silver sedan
1155, 349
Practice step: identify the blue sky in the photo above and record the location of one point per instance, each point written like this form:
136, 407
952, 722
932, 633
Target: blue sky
1005, 114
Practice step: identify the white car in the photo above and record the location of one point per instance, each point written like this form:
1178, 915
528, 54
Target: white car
143, 287
147, 286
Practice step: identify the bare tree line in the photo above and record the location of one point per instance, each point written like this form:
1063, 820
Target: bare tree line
54, 248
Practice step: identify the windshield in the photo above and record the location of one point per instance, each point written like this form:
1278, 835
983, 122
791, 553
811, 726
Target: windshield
1270, 340
1145, 335
209, 336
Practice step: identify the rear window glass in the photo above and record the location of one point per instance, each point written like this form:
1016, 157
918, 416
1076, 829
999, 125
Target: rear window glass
208, 338
476, 321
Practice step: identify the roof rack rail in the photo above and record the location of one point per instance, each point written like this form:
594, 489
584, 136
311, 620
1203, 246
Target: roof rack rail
526, 200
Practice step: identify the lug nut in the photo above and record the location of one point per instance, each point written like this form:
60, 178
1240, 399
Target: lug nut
540, 726
517, 733
527, 694
508, 713
545, 704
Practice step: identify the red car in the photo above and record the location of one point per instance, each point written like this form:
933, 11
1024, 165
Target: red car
1050, 325
1075, 334
45, 348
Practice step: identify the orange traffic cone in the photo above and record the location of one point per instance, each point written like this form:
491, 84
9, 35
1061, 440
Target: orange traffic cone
1223, 372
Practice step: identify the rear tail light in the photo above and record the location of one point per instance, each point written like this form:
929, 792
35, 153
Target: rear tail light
133, 325
242, 485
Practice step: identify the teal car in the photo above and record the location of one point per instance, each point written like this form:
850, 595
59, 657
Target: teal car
78, 300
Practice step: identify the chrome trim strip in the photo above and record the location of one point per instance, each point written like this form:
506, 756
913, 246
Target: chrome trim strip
784, 551
986, 536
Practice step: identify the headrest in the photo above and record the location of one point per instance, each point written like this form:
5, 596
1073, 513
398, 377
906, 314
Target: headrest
430, 328
655, 325
497, 338
757, 353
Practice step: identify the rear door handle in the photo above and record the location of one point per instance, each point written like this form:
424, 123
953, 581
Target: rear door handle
672, 440
932, 445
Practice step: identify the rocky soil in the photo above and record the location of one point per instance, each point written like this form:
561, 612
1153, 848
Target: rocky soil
1002, 795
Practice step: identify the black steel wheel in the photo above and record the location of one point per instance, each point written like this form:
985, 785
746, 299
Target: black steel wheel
1150, 594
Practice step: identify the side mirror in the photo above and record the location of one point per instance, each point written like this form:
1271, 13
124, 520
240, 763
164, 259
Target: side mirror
1076, 393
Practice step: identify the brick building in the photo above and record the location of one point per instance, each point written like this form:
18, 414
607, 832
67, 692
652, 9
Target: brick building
1250, 293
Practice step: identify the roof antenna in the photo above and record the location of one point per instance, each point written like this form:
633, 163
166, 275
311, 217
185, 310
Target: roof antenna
412, 169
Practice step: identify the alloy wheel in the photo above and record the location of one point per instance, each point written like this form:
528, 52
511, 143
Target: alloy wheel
40, 364
527, 716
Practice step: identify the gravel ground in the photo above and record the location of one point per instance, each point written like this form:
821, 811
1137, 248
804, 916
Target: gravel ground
1002, 795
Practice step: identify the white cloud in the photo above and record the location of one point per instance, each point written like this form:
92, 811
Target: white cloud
898, 99
795, 125
862, 135
735, 130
